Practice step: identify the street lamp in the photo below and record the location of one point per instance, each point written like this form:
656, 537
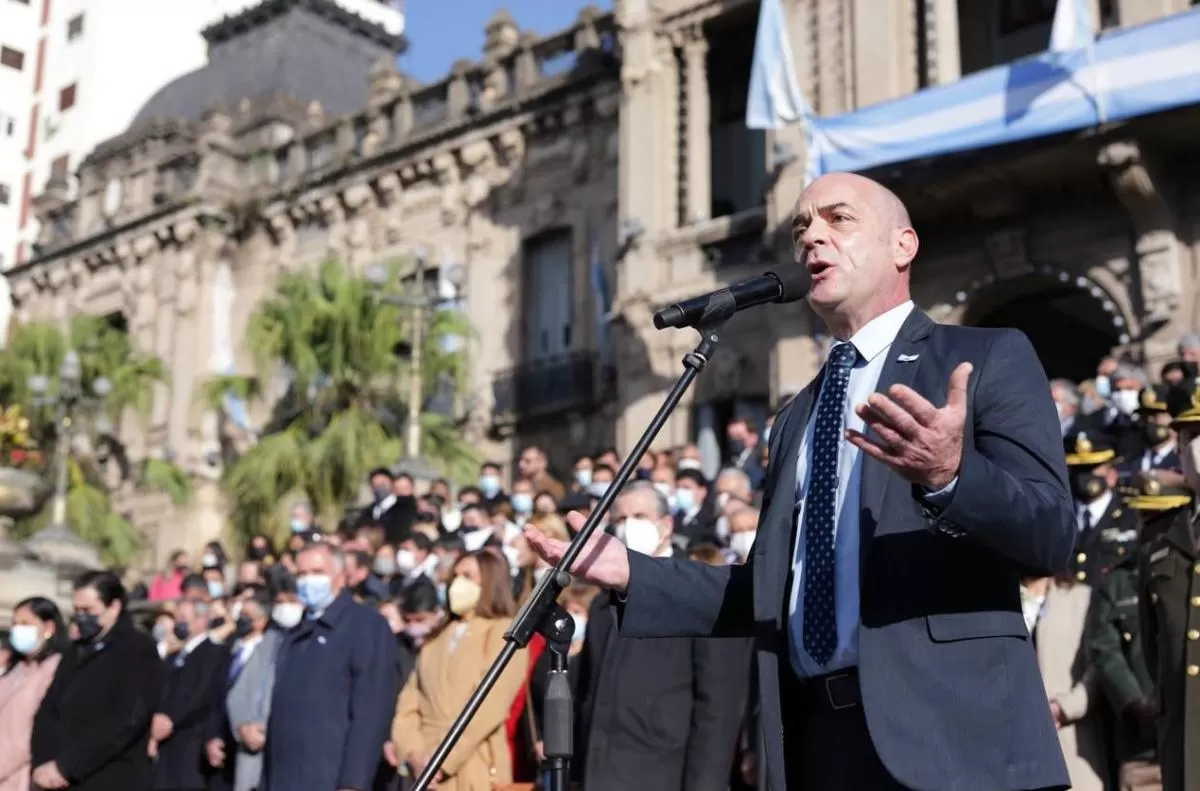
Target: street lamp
420, 303
58, 543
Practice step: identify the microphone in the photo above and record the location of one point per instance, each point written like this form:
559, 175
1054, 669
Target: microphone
787, 285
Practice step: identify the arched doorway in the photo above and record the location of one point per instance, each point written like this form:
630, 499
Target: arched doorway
1070, 319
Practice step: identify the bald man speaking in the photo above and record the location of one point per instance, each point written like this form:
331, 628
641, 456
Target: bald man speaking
911, 484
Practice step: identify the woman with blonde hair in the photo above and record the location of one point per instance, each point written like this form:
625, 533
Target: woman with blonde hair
449, 668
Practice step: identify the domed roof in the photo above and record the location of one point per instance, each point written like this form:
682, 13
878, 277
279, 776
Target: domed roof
307, 50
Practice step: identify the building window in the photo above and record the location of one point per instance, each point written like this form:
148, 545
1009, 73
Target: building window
66, 98
1022, 28
5, 194
737, 155
60, 169
1017, 15
75, 27
548, 295
12, 58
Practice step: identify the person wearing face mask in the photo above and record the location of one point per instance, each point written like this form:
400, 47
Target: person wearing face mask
694, 516
1169, 603
1114, 634
179, 726
391, 511
1106, 529
301, 524
336, 669
1066, 403
744, 440
743, 527
450, 664
625, 683
582, 478
92, 729
602, 478
521, 500
1158, 438
237, 728
1119, 419
491, 485
734, 490
39, 641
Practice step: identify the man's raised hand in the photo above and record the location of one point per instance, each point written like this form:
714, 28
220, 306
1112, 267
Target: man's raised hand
604, 560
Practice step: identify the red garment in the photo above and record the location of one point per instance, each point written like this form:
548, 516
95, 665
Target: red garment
166, 588
536, 646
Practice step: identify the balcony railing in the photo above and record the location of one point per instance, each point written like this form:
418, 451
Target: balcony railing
539, 388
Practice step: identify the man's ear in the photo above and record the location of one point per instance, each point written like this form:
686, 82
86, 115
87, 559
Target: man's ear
904, 247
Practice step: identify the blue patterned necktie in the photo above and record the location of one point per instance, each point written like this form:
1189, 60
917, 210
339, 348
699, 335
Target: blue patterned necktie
820, 508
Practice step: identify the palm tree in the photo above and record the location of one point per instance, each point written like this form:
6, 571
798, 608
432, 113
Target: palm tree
94, 467
330, 361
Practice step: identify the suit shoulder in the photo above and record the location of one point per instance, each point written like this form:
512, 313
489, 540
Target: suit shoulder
983, 336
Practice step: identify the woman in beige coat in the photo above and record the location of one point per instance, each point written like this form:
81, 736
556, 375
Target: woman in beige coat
450, 667
1056, 612
38, 639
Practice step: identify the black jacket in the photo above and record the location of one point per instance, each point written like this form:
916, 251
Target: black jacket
95, 718
187, 701
658, 715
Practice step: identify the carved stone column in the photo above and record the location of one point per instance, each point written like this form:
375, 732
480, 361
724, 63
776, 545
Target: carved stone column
697, 140
1157, 254
945, 62
884, 48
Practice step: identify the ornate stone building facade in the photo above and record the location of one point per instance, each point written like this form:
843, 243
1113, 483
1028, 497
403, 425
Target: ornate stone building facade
616, 147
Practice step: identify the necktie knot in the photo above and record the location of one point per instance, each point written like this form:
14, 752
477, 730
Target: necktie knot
843, 356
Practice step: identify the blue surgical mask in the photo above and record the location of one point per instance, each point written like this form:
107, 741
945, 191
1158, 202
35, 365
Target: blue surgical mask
314, 590
599, 488
489, 485
583, 478
522, 503
299, 526
216, 589
685, 499
767, 434
1103, 386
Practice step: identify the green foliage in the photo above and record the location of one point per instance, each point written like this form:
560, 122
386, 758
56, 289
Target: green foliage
38, 349
342, 409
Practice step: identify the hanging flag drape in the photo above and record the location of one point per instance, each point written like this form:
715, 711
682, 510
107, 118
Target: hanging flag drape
1074, 30
602, 300
774, 99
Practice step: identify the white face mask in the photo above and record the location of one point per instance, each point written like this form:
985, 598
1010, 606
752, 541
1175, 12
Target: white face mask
689, 464
209, 560
640, 535
722, 500
406, 561
287, 614
741, 543
1125, 401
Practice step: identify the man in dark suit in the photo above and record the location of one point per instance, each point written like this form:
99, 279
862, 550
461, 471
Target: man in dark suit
898, 517
179, 727
335, 685
656, 714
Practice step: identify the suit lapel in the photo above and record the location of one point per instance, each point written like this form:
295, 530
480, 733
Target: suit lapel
900, 368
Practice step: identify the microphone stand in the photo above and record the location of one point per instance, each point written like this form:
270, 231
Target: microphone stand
541, 615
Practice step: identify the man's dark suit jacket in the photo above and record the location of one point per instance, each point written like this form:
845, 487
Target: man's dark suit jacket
950, 683
188, 701
334, 696
657, 715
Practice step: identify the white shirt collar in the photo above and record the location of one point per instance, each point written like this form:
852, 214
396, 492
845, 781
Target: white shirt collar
191, 644
1097, 507
879, 333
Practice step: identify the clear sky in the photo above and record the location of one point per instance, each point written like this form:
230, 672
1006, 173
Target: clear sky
442, 31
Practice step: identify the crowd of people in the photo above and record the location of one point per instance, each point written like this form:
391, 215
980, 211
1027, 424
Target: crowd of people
340, 660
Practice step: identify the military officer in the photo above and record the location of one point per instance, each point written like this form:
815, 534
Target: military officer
1107, 529
1158, 437
1169, 571
1113, 637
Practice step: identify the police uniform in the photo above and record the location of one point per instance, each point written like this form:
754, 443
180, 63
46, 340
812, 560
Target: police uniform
1114, 640
1107, 529
1169, 569
1160, 452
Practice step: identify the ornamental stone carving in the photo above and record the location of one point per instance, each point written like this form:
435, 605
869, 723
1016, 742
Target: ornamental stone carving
1157, 248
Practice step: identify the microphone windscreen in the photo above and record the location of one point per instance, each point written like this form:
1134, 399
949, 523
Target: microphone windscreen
794, 280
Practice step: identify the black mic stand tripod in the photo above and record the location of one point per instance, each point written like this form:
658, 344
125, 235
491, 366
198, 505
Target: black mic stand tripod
541, 613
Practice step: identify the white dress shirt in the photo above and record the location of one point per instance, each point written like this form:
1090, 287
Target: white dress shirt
1089, 514
872, 342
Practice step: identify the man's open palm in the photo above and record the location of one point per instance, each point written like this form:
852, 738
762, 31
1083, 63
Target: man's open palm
604, 560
